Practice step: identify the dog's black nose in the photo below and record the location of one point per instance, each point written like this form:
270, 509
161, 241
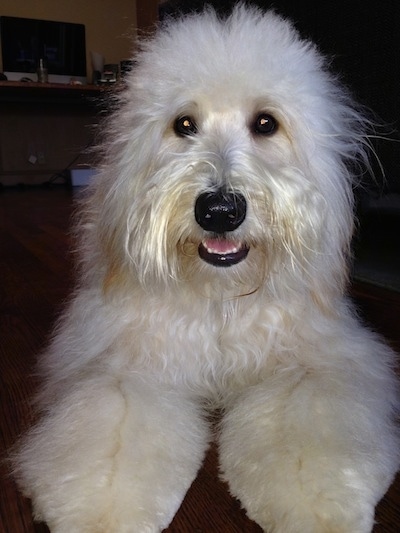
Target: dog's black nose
220, 211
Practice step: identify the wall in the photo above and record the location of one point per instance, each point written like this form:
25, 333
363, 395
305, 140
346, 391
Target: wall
110, 24
53, 134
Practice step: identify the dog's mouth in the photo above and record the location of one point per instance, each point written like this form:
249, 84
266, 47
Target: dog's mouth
222, 252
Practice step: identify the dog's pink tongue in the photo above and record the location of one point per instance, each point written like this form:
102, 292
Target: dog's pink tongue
220, 246
222, 252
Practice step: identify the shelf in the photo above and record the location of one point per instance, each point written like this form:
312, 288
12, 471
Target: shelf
21, 92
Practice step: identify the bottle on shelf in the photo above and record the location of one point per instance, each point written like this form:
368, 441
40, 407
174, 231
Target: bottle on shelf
42, 74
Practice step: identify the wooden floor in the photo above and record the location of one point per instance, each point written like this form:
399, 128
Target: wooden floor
36, 276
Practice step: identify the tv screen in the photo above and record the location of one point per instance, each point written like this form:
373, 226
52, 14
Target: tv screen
60, 44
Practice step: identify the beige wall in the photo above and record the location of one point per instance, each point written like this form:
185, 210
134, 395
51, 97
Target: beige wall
110, 24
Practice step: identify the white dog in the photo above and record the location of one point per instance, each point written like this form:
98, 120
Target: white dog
214, 247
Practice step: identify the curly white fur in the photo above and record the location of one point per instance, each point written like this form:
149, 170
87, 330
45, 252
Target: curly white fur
155, 334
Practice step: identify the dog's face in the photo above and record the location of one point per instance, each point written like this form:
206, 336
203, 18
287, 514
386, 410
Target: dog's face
227, 164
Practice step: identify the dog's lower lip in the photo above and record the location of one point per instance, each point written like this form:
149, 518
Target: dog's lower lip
232, 254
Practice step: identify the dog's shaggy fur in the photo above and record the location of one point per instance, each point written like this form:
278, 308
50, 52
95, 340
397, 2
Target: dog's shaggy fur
214, 250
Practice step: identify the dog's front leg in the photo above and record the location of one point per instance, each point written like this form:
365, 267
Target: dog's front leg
112, 456
309, 453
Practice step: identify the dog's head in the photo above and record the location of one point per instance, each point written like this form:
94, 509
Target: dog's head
227, 163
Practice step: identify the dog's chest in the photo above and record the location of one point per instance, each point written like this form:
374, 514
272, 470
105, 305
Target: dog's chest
205, 344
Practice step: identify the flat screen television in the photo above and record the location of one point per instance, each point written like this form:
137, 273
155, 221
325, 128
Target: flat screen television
62, 45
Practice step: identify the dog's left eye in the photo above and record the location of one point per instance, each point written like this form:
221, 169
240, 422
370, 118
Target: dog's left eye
265, 124
185, 126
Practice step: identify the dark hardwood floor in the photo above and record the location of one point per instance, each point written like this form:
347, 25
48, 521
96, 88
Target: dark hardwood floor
36, 276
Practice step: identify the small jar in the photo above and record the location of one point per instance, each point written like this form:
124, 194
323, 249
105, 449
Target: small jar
42, 75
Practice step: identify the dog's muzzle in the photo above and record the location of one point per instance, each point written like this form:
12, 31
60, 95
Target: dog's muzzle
221, 212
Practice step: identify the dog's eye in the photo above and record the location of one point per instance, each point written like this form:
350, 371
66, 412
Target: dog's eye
265, 124
185, 126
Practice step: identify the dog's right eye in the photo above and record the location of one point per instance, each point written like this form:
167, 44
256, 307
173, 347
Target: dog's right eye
184, 126
265, 124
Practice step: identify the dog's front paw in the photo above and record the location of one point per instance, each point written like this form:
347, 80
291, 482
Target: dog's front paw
112, 458
288, 509
298, 465
303, 498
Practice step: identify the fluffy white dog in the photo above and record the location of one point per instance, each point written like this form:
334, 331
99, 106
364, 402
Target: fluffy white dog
214, 249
